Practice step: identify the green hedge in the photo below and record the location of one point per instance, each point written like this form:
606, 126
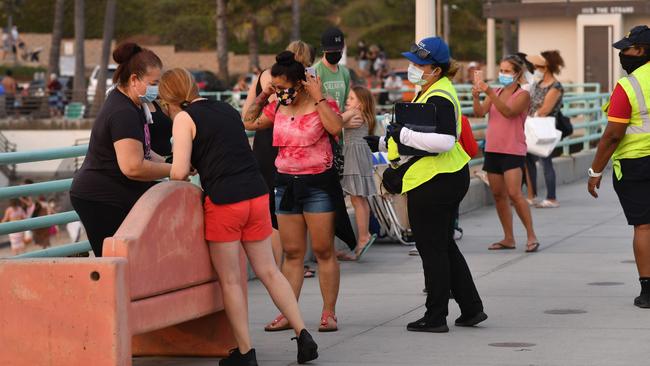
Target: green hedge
24, 73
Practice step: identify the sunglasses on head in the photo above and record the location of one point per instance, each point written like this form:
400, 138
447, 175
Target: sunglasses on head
419, 51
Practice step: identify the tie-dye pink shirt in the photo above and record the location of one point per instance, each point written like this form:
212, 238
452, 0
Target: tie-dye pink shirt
303, 143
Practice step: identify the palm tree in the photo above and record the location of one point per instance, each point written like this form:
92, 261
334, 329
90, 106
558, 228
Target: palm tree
260, 17
57, 34
109, 27
222, 40
295, 14
79, 86
253, 43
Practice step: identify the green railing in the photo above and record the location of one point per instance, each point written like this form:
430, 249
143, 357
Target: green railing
55, 186
584, 109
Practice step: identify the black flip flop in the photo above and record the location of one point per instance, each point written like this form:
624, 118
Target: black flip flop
500, 246
533, 249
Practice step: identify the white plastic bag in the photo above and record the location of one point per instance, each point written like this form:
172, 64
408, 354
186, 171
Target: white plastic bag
540, 149
540, 130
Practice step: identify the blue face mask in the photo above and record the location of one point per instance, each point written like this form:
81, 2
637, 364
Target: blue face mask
150, 95
505, 79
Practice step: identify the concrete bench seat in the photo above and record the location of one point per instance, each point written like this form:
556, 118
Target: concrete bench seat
154, 292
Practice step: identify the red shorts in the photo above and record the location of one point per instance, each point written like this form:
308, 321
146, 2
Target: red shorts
246, 221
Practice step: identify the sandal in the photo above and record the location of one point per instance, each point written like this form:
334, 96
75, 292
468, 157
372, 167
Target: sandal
532, 247
278, 324
346, 257
548, 204
500, 246
365, 248
328, 322
308, 272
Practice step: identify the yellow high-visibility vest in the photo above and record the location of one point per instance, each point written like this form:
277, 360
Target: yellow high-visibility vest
636, 142
451, 161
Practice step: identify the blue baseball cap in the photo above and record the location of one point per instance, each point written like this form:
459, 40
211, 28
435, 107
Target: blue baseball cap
431, 50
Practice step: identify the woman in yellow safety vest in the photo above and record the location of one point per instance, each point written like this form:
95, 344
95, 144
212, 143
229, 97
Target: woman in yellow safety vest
431, 168
627, 141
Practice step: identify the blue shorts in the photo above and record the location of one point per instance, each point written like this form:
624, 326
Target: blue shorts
318, 201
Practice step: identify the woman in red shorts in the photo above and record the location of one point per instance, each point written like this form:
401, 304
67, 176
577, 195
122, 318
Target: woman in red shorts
210, 136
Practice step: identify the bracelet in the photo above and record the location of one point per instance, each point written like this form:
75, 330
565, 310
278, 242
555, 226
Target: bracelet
322, 100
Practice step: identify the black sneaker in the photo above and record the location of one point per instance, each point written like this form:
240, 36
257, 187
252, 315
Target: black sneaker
470, 320
424, 325
237, 359
643, 301
307, 348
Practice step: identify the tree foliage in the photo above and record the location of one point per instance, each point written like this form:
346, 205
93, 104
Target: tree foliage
190, 24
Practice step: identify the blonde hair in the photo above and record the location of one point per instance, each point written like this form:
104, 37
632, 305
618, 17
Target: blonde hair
367, 106
302, 52
177, 86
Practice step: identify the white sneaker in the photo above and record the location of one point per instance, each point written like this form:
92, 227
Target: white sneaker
414, 252
458, 234
548, 204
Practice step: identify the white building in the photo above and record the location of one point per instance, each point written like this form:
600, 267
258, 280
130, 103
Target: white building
583, 31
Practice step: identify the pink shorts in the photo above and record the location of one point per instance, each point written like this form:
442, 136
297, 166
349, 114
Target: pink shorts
244, 221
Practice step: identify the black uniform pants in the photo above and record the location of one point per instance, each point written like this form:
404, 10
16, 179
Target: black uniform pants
431, 208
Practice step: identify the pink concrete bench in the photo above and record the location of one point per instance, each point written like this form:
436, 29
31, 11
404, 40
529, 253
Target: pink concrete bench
153, 293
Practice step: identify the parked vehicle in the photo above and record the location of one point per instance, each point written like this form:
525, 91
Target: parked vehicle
208, 81
92, 82
407, 96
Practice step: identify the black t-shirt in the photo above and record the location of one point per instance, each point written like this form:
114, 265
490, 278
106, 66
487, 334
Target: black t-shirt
222, 155
100, 178
161, 132
445, 114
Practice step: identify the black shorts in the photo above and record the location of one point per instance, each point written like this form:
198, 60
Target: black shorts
633, 190
497, 163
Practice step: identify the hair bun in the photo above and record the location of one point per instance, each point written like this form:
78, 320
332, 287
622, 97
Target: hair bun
285, 58
125, 51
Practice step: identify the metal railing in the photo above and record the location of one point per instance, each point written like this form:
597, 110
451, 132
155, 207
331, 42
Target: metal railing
7, 146
584, 109
55, 186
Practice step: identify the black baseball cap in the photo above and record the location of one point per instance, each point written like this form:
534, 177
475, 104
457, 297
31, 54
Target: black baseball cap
639, 35
332, 40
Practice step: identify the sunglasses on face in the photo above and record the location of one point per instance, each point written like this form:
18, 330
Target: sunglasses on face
419, 51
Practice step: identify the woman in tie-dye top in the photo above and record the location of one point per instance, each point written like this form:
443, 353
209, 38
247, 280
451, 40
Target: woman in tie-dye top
307, 185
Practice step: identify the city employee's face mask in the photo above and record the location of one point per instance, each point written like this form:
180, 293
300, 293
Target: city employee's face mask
630, 63
416, 75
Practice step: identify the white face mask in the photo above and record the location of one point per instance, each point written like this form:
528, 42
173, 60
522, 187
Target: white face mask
538, 76
415, 75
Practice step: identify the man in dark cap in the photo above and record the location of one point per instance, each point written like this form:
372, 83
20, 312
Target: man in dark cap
335, 77
626, 141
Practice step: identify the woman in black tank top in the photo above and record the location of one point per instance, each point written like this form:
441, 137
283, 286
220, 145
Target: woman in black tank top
210, 136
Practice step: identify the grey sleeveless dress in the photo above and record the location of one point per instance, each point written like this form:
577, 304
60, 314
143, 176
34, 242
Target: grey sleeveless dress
357, 169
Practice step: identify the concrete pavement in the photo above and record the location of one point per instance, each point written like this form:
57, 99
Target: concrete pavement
583, 268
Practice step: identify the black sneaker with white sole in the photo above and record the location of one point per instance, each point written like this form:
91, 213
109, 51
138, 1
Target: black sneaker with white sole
471, 320
425, 325
642, 301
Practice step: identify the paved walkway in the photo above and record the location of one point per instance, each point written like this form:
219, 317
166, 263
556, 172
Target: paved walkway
583, 267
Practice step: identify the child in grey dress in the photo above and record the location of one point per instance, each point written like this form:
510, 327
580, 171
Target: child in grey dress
358, 181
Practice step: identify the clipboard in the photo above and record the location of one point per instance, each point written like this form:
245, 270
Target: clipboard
418, 117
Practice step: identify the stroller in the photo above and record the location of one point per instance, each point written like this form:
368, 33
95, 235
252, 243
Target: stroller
390, 210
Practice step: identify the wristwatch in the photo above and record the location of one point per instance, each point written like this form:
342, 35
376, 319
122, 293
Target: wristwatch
593, 174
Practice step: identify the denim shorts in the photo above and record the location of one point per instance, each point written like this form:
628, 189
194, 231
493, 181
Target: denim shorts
318, 201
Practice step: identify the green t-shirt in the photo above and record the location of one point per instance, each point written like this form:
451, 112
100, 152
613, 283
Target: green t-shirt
335, 84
